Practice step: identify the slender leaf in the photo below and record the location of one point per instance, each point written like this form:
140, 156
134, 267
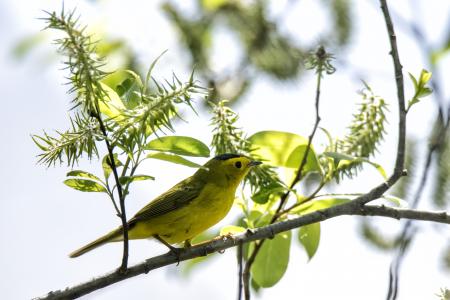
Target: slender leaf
176, 159
343, 160
85, 185
181, 145
83, 174
128, 179
106, 164
309, 237
272, 260
111, 105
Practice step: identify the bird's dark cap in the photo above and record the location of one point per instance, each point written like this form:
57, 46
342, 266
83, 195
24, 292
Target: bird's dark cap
227, 156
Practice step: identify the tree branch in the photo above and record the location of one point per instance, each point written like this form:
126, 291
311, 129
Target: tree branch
350, 208
123, 214
400, 159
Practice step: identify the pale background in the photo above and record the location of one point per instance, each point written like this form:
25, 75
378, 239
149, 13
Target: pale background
42, 220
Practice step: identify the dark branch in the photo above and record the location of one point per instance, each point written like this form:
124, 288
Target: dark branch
350, 208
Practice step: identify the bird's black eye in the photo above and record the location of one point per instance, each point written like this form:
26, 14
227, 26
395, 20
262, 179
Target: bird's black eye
238, 164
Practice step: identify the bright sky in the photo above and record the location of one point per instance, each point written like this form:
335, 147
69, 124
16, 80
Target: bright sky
42, 220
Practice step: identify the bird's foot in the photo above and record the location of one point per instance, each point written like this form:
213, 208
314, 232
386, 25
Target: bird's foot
173, 250
176, 252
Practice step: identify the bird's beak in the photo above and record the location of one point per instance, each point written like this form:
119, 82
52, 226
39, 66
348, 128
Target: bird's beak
254, 163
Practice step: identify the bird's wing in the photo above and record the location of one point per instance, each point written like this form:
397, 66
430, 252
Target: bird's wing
178, 196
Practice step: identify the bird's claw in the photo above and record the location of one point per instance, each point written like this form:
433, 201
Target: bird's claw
177, 253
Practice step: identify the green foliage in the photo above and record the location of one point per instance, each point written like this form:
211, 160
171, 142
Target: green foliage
82, 61
173, 158
124, 180
343, 157
367, 128
283, 149
320, 62
444, 294
103, 115
272, 260
342, 20
195, 33
227, 138
156, 110
128, 113
309, 237
85, 182
182, 145
266, 48
107, 166
344, 161
420, 88
71, 144
120, 110
83, 174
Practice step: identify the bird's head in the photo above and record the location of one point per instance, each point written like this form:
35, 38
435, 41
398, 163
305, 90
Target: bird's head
228, 169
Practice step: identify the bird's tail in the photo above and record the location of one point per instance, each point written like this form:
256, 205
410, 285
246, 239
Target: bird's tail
113, 236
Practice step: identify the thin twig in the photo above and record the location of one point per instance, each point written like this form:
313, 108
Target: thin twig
400, 160
298, 176
349, 208
123, 216
240, 259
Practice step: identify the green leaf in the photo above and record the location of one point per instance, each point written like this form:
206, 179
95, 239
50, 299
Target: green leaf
425, 76
181, 145
129, 179
176, 159
84, 174
284, 149
414, 81
150, 69
116, 78
85, 185
420, 88
263, 194
111, 105
232, 229
107, 170
342, 160
309, 237
272, 260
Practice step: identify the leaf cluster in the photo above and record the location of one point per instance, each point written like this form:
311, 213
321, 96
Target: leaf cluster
344, 157
125, 115
228, 138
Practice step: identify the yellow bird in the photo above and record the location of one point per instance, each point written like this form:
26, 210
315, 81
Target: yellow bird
188, 208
